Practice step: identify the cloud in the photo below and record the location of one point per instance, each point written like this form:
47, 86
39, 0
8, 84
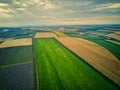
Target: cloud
107, 6
115, 17
20, 9
4, 5
5, 15
8, 10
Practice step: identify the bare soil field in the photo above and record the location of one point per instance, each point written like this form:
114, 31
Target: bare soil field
114, 35
45, 35
95, 55
16, 42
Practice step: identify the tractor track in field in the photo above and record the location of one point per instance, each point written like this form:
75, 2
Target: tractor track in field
2, 66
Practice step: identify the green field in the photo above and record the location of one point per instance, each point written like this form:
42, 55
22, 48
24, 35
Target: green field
15, 55
60, 69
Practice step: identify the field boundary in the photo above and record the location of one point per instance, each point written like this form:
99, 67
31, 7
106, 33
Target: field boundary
35, 67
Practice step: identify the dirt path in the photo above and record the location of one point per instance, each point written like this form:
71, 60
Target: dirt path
96, 55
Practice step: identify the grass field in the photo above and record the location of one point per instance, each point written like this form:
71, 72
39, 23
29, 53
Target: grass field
113, 48
18, 77
60, 69
15, 55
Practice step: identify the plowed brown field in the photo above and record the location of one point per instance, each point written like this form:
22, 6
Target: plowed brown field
95, 55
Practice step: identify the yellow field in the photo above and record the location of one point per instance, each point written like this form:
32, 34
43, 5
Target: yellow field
16, 42
45, 34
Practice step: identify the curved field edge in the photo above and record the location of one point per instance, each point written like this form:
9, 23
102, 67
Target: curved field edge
112, 47
68, 72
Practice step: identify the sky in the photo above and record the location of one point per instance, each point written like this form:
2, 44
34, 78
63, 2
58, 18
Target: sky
59, 12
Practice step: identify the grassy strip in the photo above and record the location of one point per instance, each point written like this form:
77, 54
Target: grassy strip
36, 83
60, 69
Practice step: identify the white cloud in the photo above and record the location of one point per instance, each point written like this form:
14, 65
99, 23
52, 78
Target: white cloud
4, 5
5, 15
107, 6
8, 10
20, 9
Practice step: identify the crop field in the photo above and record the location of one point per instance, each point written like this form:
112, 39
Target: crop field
114, 35
60, 69
15, 55
17, 77
45, 34
112, 47
16, 42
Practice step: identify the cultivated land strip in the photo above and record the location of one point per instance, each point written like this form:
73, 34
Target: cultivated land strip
114, 35
95, 55
16, 42
45, 35
113, 42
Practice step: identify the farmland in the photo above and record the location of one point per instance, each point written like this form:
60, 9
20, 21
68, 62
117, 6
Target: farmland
45, 35
16, 42
113, 48
16, 68
63, 57
14, 55
18, 77
64, 70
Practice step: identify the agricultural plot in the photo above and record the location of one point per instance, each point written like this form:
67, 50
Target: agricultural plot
16, 55
18, 77
60, 69
114, 35
16, 42
45, 34
111, 46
